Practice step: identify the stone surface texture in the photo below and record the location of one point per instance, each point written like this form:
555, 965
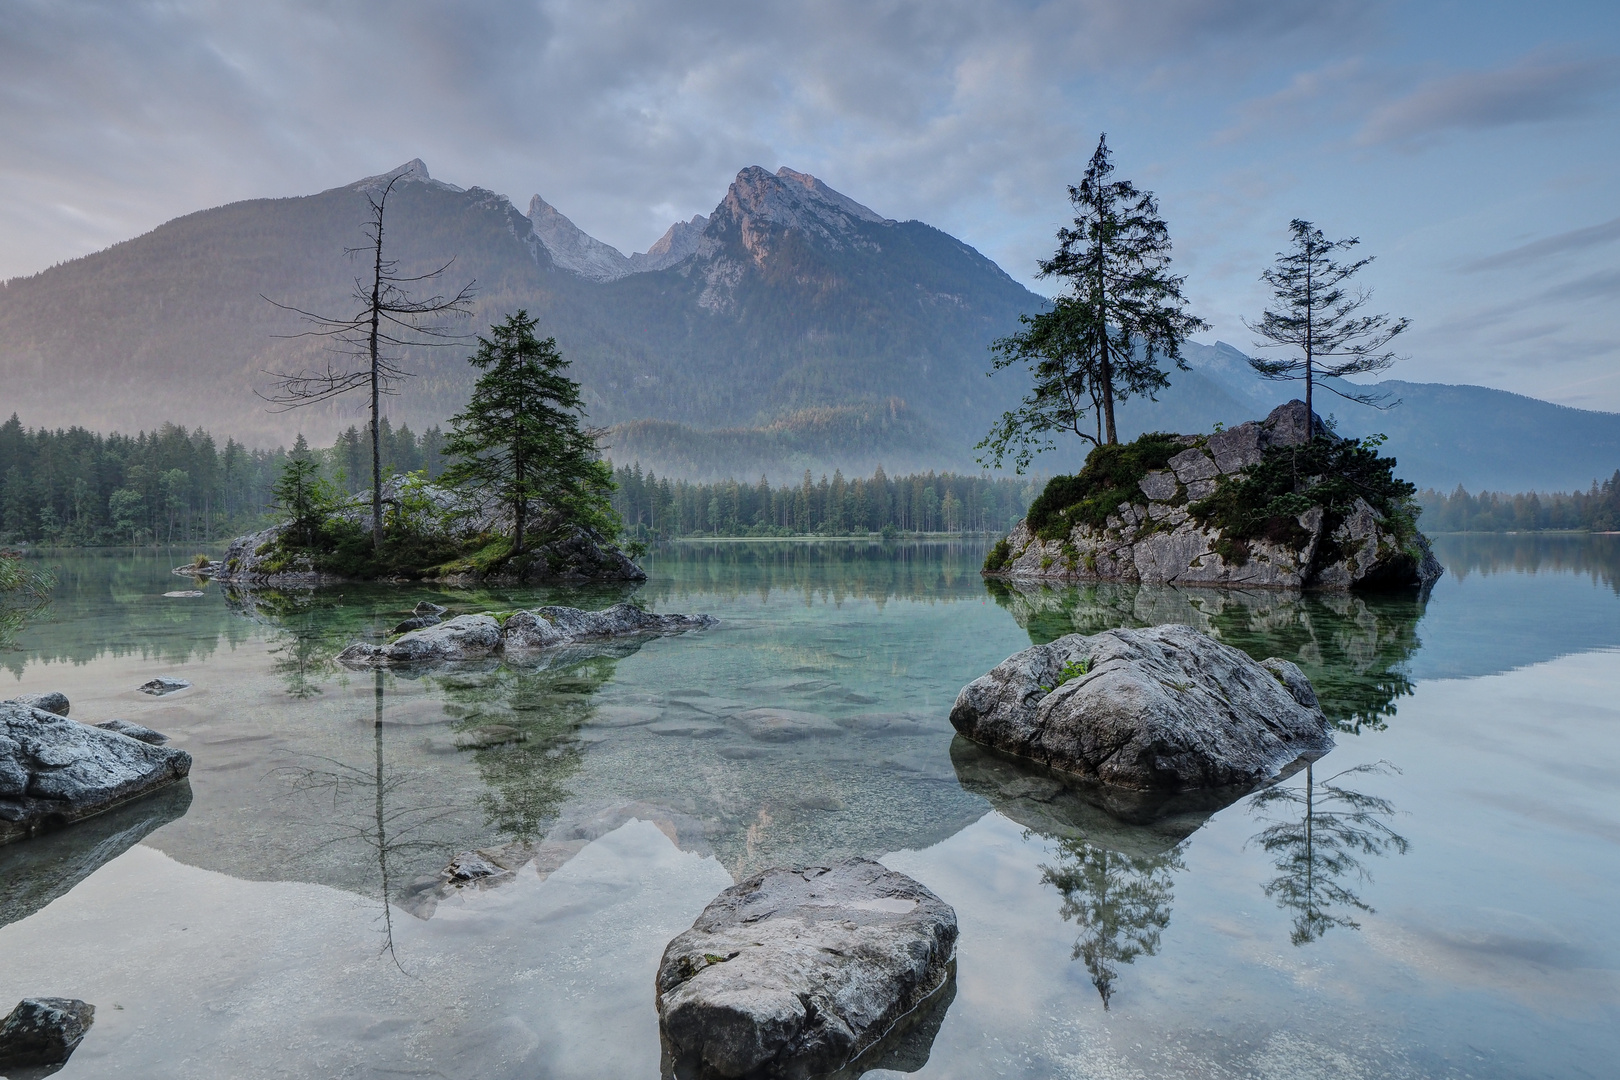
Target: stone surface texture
44, 1031
52, 702
54, 771
478, 637
1162, 544
1161, 709
794, 972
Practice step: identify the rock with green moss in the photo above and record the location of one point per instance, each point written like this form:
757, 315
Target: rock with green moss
1278, 502
1164, 709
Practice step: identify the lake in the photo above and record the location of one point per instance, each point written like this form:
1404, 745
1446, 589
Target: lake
1435, 898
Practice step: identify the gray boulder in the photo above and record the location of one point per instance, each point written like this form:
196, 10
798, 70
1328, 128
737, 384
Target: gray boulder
44, 1031
162, 685
52, 702
795, 972
55, 771
1160, 709
476, 637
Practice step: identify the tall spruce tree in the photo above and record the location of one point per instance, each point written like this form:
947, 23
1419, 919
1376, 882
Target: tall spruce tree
1316, 315
520, 439
1101, 342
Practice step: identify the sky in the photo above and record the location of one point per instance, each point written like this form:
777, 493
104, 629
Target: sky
1472, 147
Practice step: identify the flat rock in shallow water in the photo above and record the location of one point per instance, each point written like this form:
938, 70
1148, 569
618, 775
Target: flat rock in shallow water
44, 1031
55, 771
477, 637
160, 686
134, 731
1161, 709
795, 972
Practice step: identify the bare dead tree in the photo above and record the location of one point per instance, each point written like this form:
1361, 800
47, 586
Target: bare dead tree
389, 320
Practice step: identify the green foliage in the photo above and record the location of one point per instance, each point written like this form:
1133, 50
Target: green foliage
1071, 670
999, 555
520, 438
1102, 343
1267, 500
1110, 477
19, 581
304, 497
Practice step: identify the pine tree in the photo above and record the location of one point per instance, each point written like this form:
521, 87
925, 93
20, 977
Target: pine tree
520, 438
1102, 342
1318, 317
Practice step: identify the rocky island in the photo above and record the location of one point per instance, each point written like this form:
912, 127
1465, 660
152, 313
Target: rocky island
1279, 502
432, 533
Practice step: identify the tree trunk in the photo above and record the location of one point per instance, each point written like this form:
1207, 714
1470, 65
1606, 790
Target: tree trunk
376, 390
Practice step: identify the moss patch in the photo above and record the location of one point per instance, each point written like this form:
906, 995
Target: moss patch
1110, 477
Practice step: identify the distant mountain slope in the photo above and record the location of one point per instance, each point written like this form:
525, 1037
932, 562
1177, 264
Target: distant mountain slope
789, 296
791, 328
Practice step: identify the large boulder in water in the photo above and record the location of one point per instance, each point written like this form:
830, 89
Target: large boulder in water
55, 771
1160, 709
795, 972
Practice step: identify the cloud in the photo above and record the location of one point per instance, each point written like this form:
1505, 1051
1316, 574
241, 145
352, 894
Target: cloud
1602, 285
1574, 240
1531, 91
615, 110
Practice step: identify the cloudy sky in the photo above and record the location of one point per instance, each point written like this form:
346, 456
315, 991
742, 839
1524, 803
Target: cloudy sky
1472, 146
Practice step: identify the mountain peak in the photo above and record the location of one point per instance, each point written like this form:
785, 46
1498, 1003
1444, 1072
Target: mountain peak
683, 238
573, 249
414, 171
760, 203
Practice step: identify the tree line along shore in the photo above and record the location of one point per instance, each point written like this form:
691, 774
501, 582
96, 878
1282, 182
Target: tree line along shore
76, 488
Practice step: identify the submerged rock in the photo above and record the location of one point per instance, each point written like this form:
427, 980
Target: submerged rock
44, 1031
134, 731
476, 637
55, 771
795, 972
160, 686
1160, 709
425, 614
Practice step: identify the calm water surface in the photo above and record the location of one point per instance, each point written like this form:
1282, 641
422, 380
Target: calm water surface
1434, 898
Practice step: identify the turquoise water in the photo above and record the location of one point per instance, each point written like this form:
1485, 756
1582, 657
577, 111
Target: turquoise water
1447, 912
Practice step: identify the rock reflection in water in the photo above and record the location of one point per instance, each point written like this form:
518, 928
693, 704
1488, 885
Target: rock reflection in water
37, 871
1318, 836
1117, 852
1355, 649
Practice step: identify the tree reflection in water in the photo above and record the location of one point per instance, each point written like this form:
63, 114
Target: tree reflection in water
364, 809
1121, 903
1354, 649
1319, 835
